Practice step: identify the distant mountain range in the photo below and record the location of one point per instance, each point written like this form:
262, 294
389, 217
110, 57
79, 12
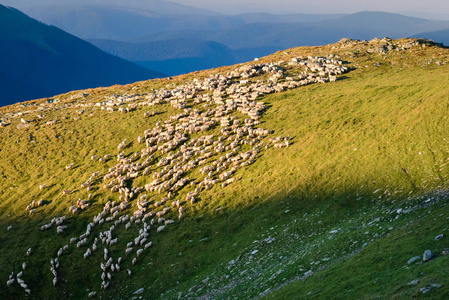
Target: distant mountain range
166, 36
40, 61
176, 39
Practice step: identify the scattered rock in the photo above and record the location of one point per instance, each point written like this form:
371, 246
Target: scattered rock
254, 252
427, 255
412, 260
308, 273
439, 237
428, 288
23, 126
413, 282
139, 291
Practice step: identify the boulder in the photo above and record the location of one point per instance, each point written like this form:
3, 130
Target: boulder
427, 255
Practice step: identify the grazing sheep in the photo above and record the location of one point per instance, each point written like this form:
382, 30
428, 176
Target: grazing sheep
139, 252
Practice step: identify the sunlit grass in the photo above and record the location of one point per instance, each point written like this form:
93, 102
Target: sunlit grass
360, 146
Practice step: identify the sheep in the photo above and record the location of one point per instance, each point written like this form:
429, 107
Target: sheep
87, 253
129, 272
139, 252
168, 222
92, 294
104, 285
134, 261
28, 251
55, 280
24, 265
160, 228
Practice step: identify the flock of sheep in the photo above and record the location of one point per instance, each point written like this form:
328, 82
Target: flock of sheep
176, 166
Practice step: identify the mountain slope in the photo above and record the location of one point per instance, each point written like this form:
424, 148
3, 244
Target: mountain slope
292, 183
49, 61
124, 23
439, 36
172, 57
363, 25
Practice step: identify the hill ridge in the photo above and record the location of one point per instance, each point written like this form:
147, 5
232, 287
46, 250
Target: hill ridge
251, 215
37, 58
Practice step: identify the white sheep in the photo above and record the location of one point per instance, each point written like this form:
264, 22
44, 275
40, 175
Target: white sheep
139, 252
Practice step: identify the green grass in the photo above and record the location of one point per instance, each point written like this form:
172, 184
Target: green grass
362, 147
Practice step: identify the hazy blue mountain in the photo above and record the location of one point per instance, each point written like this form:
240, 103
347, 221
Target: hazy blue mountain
286, 18
40, 61
160, 6
363, 25
439, 36
120, 23
249, 38
172, 57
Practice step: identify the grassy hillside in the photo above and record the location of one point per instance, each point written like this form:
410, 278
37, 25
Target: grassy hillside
360, 189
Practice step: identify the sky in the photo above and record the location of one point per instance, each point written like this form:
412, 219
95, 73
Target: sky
433, 8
